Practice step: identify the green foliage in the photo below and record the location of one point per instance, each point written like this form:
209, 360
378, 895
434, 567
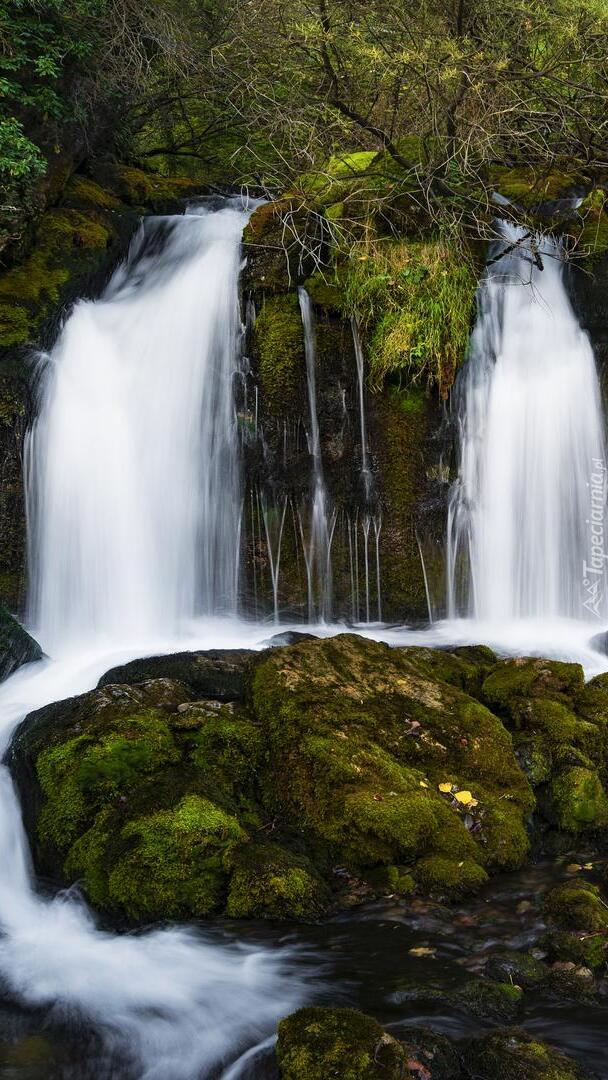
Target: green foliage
414, 301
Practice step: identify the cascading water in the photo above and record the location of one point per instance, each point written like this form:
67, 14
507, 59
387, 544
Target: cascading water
134, 510
134, 495
318, 549
527, 513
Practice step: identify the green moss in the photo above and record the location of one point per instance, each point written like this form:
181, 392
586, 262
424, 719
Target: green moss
578, 800
14, 325
176, 865
450, 878
512, 683
86, 190
280, 348
337, 1044
271, 883
513, 1055
227, 750
325, 292
34, 280
492, 1000
414, 300
139, 188
79, 775
527, 186
577, 905
73, 227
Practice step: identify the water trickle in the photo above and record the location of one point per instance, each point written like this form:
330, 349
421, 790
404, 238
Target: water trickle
317, 549
134, 496
527, 513
366, 475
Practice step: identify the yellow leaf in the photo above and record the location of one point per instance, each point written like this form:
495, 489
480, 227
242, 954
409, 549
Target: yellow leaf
464, 797
445, 788
423, 783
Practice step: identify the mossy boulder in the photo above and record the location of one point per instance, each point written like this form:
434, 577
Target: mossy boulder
578, 800
514, 1055
430, 1055
360, 740
16, 645
512, 683
337, 1044
578, 923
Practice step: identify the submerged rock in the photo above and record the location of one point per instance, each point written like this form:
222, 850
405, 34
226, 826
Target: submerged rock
16, 645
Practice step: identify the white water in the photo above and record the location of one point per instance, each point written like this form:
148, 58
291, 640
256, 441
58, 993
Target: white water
527, 514
366, 475
134, 497
317, 552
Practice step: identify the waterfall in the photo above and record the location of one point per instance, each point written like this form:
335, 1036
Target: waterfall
318, 549
135, 510
527, 513
134, 491
366, 475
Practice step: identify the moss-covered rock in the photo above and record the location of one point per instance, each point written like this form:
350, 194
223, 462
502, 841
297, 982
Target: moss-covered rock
269, 882
578, 921
337, 1044
360, 739
510, 685
499, 1001
514, 1055
280, 351
430, 1056
578, 800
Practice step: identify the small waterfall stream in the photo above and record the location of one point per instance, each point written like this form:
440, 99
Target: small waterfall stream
317, 549
526, 521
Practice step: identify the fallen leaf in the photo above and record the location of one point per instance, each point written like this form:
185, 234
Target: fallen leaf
418, 1069
423, 784
445, 788
573, 868
465, 798
422, 950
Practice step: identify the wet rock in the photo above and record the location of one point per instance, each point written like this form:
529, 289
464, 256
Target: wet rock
599, 642
578, 925
289, 637
519, 969
430, 1056
16, 645
317, 1043
217, 673
513, 1055
492, 1000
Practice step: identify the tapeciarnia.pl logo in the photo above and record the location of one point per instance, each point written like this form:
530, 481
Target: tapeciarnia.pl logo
594, 570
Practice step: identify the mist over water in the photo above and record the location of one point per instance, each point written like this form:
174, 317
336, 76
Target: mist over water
527, 513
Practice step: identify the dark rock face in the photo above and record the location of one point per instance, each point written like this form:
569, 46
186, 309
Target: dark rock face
514, 1055
16, 645
217, 674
